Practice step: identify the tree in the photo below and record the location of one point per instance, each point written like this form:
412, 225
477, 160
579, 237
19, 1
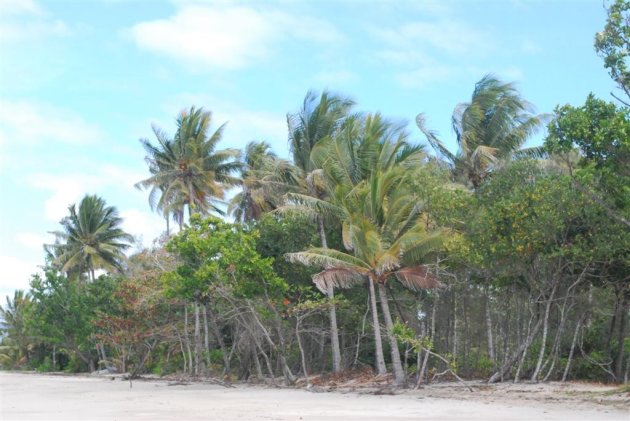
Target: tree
90, 239
490, 129
317, 120
384, 228
187, 170
264, 177
613, 45
14, 327
601, 132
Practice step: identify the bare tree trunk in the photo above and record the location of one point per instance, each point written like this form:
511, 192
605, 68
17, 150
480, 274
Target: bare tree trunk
220, 341
489, 331
515, 356
197, 338
332, 311
621, 335
573, 342
187, 340
399, 374
421, 373
303, 357
181, 345
380, 359
455, 325
54, 357
541, 354
206, 335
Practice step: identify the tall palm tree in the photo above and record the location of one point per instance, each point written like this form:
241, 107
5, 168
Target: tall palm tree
490, 130
264, 179
90, 239
318, 118
188, 170
385, 230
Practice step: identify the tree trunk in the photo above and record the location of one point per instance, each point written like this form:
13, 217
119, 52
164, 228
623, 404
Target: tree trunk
541, 354
332, 312
302, 356
220, 341
489, 331
423, 369
197, 338
510, 362
187, 340
570, 358
206, 337
621, 335
399, 374
380, 359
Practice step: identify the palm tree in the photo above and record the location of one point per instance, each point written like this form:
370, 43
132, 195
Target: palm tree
187, 170
318, 118
160, 158
90, 239
385, 230
264, 178
490, 130
16, 338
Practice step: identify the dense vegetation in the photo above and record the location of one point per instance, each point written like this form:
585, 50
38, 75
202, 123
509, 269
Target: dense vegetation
363, 251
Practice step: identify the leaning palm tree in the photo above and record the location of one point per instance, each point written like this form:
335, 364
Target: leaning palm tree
319, 118
384, 229
188, 170
91, 238
490, 130
264, 180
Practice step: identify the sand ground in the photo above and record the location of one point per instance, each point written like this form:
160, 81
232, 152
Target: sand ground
54, 397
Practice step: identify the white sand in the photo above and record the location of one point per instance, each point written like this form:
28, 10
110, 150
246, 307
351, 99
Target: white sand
41, 397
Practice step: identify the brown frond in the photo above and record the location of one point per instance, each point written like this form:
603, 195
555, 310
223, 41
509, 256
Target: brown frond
416, 278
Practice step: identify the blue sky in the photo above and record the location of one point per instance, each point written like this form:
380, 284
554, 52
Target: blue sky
82, 81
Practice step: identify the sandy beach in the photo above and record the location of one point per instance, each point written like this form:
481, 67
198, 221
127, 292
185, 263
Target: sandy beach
56, 397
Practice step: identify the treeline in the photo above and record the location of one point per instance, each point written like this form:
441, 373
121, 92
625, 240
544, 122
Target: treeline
362, 252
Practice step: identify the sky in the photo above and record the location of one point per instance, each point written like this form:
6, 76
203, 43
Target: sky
82, 81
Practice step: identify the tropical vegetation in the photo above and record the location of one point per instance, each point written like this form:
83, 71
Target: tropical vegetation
364, 251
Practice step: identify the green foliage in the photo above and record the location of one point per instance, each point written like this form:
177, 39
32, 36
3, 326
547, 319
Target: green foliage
601, 132
613, 43
212, 251
90, 239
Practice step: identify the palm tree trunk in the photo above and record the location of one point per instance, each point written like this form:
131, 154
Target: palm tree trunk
332, 311
380, 359
399, 373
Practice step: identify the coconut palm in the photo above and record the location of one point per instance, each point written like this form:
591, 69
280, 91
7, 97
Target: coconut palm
319, 118
187, 170
490, 130
264, 180
16, 337
385, 231
90, 239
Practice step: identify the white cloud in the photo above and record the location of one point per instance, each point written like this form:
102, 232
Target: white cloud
143, 225
26, 20
430, 51
15, 273
447, 36
20, 7
227, 36
34, 122
243, 125
66, 189
34, 241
